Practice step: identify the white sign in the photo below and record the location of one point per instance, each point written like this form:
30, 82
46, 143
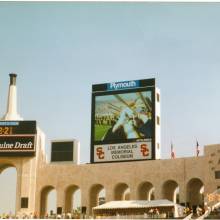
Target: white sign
123, 151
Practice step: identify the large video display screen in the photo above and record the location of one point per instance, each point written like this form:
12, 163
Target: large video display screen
123, 123
17, 138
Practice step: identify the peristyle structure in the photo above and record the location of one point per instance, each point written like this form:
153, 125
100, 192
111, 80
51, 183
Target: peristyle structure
22, 145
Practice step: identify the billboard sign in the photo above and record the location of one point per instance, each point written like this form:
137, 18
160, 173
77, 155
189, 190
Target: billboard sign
123, 126
17, 138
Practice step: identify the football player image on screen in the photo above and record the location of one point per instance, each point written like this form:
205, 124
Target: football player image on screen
129, 116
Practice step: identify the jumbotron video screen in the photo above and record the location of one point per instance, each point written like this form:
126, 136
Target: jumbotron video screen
123, 124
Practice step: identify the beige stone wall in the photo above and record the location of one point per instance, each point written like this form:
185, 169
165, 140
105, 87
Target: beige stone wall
34, 175
182, 170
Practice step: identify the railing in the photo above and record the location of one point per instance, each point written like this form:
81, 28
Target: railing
188, 216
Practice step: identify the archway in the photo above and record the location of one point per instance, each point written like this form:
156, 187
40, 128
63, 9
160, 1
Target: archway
72, 198
170, 190
101, 197
122, 192
195, 192
146, 191
48, 201
8, 187
96, 195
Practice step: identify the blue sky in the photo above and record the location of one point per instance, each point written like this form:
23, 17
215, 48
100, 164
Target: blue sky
60, 49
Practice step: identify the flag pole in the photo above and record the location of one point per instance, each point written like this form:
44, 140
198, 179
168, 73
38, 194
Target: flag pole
197, 148
172, 151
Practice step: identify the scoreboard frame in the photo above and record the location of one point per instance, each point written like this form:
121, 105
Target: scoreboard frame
144, 85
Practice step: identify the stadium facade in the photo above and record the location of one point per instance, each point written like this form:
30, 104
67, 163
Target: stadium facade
194, 177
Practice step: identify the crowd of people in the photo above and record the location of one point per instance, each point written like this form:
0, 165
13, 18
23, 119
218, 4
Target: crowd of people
196, 211
155, 213
74, 215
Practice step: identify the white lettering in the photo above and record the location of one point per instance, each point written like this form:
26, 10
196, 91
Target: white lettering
121, 85
6, 146
18, 145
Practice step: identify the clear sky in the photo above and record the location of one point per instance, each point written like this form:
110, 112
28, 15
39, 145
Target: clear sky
59, 50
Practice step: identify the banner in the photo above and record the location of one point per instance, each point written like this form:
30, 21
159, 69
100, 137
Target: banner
123, 151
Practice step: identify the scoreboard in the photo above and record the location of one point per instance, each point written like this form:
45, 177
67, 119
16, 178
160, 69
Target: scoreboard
123, 121
17, 138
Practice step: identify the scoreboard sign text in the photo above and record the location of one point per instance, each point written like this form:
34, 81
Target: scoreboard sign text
17, 138
123, 151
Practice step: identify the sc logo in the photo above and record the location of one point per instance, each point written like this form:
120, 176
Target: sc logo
144, 150
100, 153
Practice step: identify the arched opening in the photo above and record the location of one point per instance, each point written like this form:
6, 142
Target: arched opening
127, 194
195, 192
146, 191
101, 197
72, 199
177, 195
170, 191
8, 184
122, 192
48, 201
96, 195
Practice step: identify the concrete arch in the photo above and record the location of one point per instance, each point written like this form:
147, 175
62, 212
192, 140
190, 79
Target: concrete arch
146, 191
6, 165
9, 184
121, 192
69, 193
170, 190
43, 199
94, 195
193, 192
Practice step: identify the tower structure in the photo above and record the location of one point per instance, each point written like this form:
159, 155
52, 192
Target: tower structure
11, 112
